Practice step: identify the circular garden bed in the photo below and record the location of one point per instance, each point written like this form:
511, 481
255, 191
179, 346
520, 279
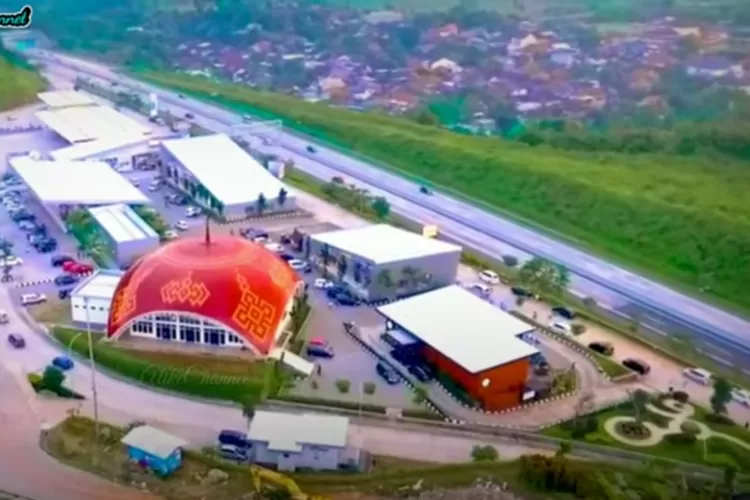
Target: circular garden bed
632, 430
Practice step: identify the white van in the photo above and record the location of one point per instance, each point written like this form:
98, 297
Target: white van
489, 277
4, 319
561, 327
699, 375
742, 397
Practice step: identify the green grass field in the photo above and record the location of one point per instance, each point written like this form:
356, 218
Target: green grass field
683, 220
18, 86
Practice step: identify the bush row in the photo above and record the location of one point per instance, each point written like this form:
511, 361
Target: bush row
365, 407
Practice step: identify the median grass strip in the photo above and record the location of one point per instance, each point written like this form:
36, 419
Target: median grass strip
19, 82
218, 378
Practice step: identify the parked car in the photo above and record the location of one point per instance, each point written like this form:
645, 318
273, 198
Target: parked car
420, 372
193, 212
699, 375
299, 265
64, 363
311, 149
189, 116
338, 180
154, 186
481, 289
489, 277
59, 260
22, 215
287, 257
561, 327
16, 340
233, 438
638, 366
30, 299
425, 190
25, 225
273, 247
170, 234
405, 356
521, 292
181, 225
46, 245
323, 284
346, 299
35, 238
11, 261
605, 348
742, 397
65, 280
564, 312
74, 267
388, 374
64, 294
320, 350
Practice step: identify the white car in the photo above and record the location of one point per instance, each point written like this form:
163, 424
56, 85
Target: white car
193, 212
260, 239
699, 375
481, 288
274, 247
181, 225
561, 327
297, 264
323, 284
154, 187
489, 277
170, 234
742, 397
11, 261
29, 299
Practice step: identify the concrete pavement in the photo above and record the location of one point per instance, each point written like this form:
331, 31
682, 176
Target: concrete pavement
610, 285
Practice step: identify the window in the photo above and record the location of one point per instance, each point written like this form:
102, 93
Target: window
285, 455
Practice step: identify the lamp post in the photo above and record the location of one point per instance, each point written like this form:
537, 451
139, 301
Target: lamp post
93, 379
70, 354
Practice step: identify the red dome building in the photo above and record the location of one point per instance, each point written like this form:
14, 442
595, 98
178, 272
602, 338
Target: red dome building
228, 291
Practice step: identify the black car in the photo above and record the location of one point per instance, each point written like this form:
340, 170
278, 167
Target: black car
189, 116
520, 292
23, 216
286, 239
420, 372
564, 312
388, 374
65, 279
346, 299
46, 246
180, 96
311, 149
602, 348
406, 357
425, 190
59, 260
286, 257
638, 366
16, 340
36, 238
64, 294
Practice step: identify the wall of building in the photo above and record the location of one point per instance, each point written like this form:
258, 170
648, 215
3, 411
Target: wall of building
311, 457
98, 311
127, 252
506, 382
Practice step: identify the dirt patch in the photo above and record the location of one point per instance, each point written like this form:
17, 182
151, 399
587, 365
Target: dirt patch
212, 363
52, 312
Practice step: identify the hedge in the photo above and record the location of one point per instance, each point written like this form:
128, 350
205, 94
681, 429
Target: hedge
365, 407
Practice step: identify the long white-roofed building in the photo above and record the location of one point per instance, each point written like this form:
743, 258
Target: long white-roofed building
90, 123
219, 175
128, 237
381, 262
58, 99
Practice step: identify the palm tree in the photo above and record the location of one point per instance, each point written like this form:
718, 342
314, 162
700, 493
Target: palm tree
341, 267
6, 251
261, 204
283, 194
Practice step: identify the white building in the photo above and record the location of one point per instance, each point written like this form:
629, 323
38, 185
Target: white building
213, 168
122, 153
64, 99
62, 186
91, 123
291, 441
91, 300
127, 235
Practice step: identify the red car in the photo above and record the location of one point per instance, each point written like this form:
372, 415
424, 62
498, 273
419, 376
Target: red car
74, 267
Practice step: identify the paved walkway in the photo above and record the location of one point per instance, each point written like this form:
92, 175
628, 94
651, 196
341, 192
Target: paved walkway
681, 414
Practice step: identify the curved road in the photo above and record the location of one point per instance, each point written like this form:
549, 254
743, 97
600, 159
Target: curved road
658, 306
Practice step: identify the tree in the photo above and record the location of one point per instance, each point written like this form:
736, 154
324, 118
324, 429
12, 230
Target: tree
261, 204
6, 252
342, 264
510, 260
564, 449
283, 194
730, 476
721, 396
639, 398
544, 277
52, 378
381, 207
585, 404
484, 453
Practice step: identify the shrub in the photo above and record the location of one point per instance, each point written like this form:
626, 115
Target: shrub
582, 426
578, 328
35, 380
560, 475
510, 260
484, 453
633, 430
343, 385
681, 438
296, 345
690, 427
589, 302
657, 419
314, 385
719, 418
369, 388
681, 397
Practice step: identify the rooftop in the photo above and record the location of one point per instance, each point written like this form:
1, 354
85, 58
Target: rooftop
100, 285
236, 179
122, 223
153, 441
64, 98
76, 182
383, 243
83, 150
289, 431
470, 331
90, 123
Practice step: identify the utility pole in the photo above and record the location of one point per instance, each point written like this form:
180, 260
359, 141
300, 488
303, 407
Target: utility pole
92, 361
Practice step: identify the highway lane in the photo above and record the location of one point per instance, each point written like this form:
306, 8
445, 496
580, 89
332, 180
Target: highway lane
627, 294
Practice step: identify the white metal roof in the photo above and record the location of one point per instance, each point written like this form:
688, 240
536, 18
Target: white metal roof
100, 285
382, 243
153, 441
464, 328
289, 431
64, 98
122, 223
89, 123
76, 182
297, 363
84, 150
225, 169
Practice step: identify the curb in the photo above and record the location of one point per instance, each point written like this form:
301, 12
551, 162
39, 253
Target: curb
271, 216
24, 284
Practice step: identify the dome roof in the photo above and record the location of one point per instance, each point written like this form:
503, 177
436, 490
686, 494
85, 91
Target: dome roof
232, 281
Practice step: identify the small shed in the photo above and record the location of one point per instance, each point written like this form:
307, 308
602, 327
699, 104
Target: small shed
154, 449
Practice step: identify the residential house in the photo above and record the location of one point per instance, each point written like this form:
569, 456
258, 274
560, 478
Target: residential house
384, 17
659, 60
332, 84
563, 57
643, 80
712, 37
292, 441
445, 66
519, 46
154, 449
713, 67
447, 31
654, 103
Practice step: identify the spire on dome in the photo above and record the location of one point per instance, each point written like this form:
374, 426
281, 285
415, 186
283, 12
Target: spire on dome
208, 231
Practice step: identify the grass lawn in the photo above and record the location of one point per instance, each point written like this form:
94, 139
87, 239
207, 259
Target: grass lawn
653, 212
18, 85
231, 379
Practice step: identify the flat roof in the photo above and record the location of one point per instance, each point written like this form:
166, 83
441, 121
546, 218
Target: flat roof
122, 223
464, 328
89, 123
64, 98
76, 182
289, 431
224, 168
382, 243
83, 150
100, 285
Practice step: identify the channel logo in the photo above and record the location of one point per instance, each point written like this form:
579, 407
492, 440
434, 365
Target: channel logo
17, 20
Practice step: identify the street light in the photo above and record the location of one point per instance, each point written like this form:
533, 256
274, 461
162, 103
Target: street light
93, 378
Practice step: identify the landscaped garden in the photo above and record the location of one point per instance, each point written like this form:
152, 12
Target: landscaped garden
666, 426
